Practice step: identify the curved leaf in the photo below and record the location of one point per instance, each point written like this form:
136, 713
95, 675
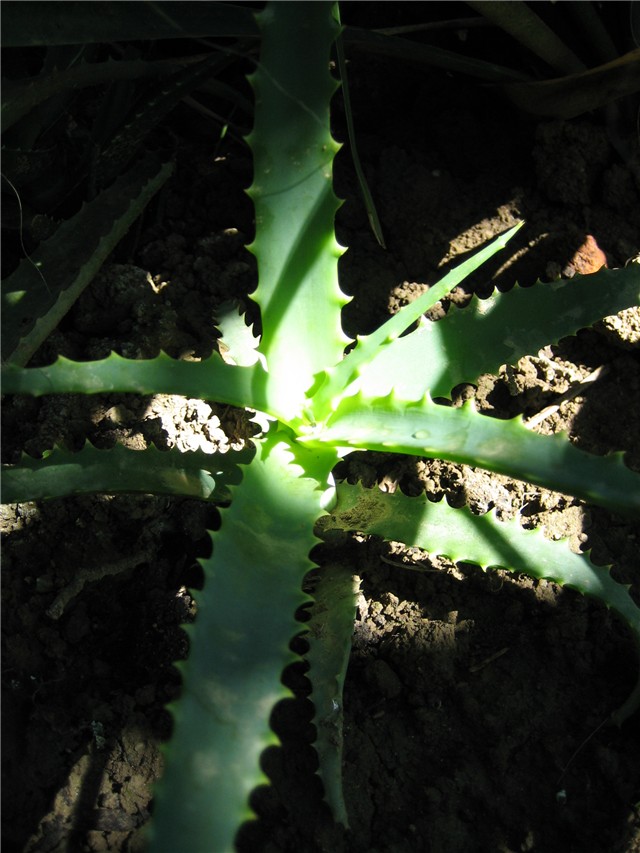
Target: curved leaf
374, 348
195, 474
72, 22
462, 536
495, 331
20, 96
410, 50
576, 94
464, 435
210, 379
166, 95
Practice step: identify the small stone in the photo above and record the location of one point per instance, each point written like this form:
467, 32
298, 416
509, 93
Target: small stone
589, 258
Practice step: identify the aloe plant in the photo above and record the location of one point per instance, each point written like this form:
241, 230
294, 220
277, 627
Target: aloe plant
314, 404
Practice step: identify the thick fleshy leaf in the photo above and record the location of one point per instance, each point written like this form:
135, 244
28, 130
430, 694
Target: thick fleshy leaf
239, 647
462, 536
210, 379
67, 22
20, 96
195, 474
376, 347
120, 150
495, 331
464, 435
329, 636
295, 205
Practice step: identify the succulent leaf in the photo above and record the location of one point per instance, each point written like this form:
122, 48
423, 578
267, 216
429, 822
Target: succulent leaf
239, 647
21, 96
69, 23
295, 205
343, 378
464, 435
167, 95
210, 379
329, 637
495, 331
238, 341
195, 474
462, 536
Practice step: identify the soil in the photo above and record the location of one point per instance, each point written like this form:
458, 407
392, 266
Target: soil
473, 701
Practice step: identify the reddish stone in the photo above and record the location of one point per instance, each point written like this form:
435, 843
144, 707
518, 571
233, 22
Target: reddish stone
589, 258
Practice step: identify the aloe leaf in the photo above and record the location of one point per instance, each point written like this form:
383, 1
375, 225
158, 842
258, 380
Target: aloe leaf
329, 636
341, 378
169, 93
462, 536
45, 23
295, 205
408, 50
596, 34
210, 379
464, 435
53, 23
495, 331
524, 25
239, 647
195, 474
44, 287
576, 94
21, 96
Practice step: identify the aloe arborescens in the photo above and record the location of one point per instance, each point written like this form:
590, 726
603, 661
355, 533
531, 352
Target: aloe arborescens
319, 404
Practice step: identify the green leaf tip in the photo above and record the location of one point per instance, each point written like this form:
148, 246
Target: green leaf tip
343, 379
238, 343
490, 332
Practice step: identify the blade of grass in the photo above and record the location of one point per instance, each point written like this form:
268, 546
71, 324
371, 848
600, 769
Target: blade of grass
372, 213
